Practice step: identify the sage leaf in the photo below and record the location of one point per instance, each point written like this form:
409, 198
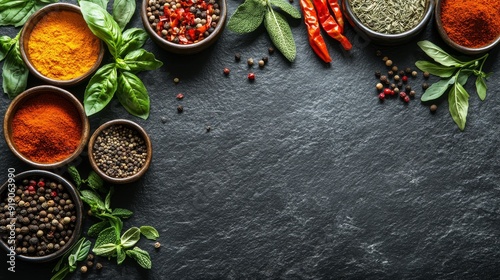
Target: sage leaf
149, 232
438, 54
6, 44
102, 24
286, 7
481, 87
105, 250
247, 17
437, 89
281, 35
122, 213
435, 69
120, 255
101, 89
14, 73
107, 235
96, 228
132, 39
123, 10
458, 101
140, 256
130, 237
141, 60
102, 3
133, 95
91, 198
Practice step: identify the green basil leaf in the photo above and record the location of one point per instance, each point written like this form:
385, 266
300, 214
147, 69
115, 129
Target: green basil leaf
122, 213
16, 13
436, 69
149, 232
458, 100
247, 17
463, 76
140, 256
438, 54
130, 237
92, 198
141, 60
102, 3
106, 236
437, 89
102, 24
61, 274
123, 10
96, 228
101, 88
6, 44
75, 175
133, 39
120, 63
105, 250
14, 73
120, 255
72, 263
83, 251
281, 35
481, 87
133, 95
287, 8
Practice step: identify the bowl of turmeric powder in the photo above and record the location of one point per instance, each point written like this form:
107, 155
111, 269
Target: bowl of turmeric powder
46, 127
58, 47
469, 27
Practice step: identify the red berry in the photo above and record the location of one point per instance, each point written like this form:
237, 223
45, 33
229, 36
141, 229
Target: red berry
53, 193
180, 96
226, 71
251, 76
387, 91
402, 94
31, 188
407, 99
405, 79
381, 96
41, 184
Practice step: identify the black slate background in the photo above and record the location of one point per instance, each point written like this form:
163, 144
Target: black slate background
304, 173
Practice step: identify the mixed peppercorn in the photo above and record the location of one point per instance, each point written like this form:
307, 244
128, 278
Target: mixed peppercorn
183, 22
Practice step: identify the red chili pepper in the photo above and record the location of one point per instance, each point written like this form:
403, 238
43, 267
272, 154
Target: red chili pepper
329, 24
315, 39
334, 5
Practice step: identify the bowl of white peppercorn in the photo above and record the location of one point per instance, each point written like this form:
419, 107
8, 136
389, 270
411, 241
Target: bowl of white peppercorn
184, 27
120, 151
41, 216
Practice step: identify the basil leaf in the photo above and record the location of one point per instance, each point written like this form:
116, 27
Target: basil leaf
142, 257
122, 213
435, 69
120, 255
133, 95
247, 17
107, 235
6, 44
101, 88
149, 232
95, 182
287, 8
102, 24
102, 3
96, 228
458, 100
16, 12
481, 87
91, 198
463, 76
439, 55
123, 10
437, 89
132, 39
61, 274
14, 73
83, 251
106, 250
281, 34
75, 175
72, 263
141, 60
130, 237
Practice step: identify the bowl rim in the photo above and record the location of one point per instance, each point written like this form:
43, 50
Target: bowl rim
134, 126
187, 48
453, 44
20, 99
70, 188
378, 36
26, 32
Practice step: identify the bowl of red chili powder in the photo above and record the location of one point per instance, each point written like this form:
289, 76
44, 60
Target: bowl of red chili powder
469, 26
46, 127
58, 47
184, 26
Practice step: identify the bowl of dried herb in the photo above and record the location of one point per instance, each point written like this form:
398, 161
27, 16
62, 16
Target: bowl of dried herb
390, 22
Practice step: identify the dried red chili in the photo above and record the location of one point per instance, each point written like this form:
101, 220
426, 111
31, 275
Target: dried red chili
334, 5
313, 30
330, 25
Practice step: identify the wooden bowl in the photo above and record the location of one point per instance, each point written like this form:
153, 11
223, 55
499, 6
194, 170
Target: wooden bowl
132, 126
12, 184
41, 92
24, 45
185, 48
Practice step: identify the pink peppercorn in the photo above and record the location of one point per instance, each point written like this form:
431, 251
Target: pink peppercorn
381, 96
226, 71
180, 96
251, 76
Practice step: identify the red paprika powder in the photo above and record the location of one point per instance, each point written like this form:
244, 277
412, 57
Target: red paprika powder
46, 128
471, 23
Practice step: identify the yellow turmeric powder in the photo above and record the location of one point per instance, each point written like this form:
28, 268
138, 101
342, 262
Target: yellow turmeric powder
62, 47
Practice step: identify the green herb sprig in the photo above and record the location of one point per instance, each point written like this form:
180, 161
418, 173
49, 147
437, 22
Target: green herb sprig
250, 15
67, 263
17, 12
119, 76
454, 74
14, 70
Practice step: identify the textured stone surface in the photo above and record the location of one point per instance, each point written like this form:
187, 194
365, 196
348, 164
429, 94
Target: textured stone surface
304, 174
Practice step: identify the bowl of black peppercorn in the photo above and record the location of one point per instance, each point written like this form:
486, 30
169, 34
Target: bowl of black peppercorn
120, 151
41, 216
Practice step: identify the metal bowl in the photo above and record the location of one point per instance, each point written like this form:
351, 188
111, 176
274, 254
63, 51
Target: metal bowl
382, 38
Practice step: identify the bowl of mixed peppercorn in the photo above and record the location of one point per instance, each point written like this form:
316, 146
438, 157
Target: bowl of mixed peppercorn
120, 151
40, 216
184, 26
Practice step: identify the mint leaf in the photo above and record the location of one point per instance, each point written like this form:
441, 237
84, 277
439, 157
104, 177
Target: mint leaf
96, 228
247, 17
130, 237
122, 213
281, 35
149, 232
95, 182
75, 175
107, 235
106, 250
141, 256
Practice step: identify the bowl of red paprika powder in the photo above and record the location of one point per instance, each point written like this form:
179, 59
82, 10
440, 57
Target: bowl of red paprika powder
469, 26
46, 127
184, 26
